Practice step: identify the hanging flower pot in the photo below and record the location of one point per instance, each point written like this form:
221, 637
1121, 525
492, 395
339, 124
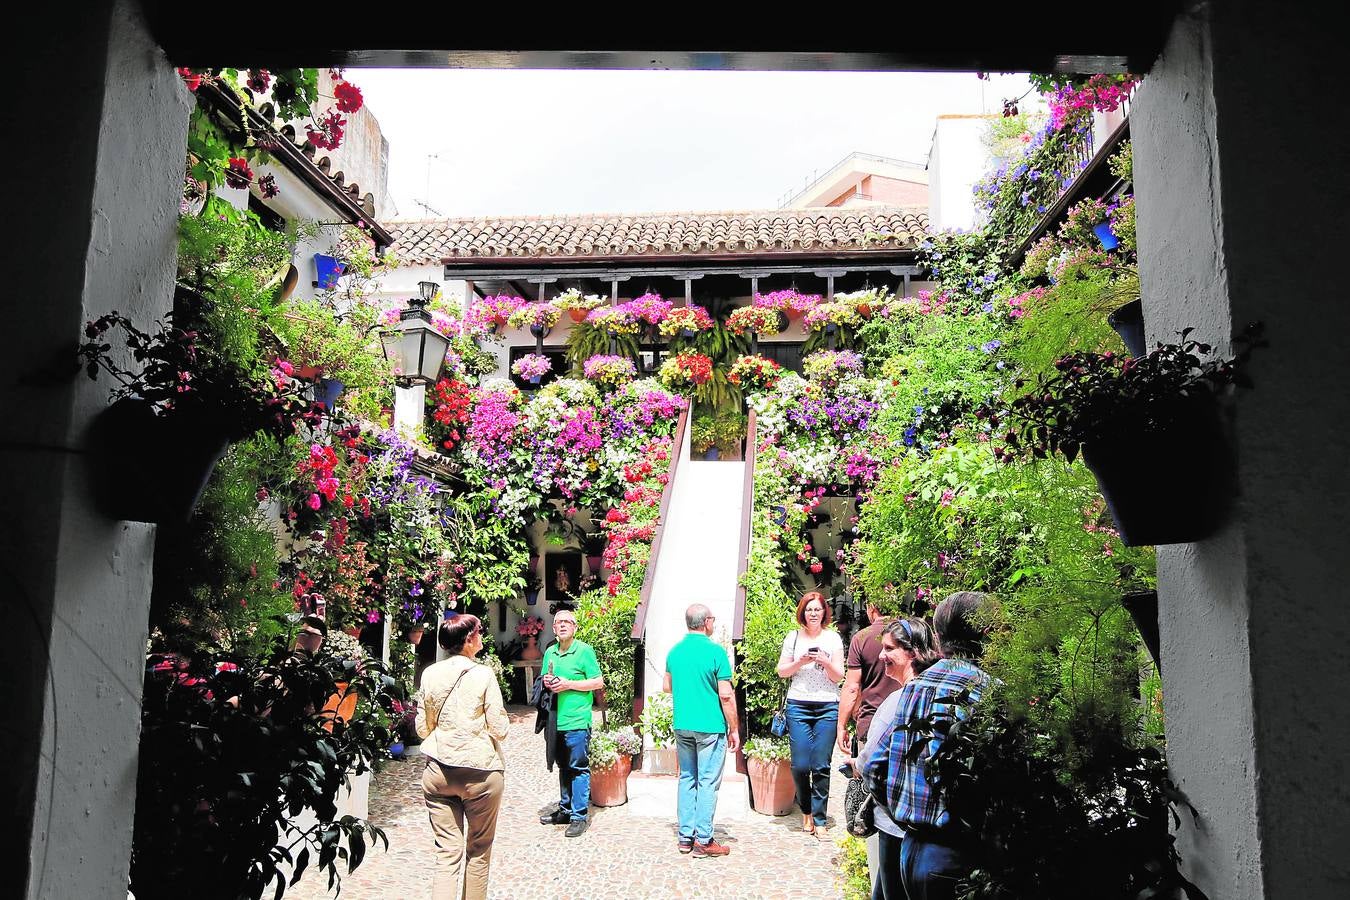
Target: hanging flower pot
327, 391
327, 271
1128, 322
415, 634
540, 331
596, 563
831, 328
534, 564
1106, 236
687, 333
308, 373
534, 379
531, 597
151, 468
578, 315
1166, 474
1143, 608
865, 310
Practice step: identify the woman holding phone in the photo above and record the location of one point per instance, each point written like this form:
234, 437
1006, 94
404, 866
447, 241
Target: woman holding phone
813, 660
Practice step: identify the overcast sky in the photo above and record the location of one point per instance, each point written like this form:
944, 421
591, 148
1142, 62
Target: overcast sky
484, 142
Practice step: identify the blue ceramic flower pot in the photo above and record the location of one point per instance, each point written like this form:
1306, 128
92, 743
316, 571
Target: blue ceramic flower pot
327, 271
326, 392
1107, 237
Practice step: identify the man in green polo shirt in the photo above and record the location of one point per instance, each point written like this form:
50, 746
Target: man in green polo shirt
572, 673
698, 675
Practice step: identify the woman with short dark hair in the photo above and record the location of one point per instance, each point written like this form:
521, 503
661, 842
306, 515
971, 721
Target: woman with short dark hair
813, 660
462, 722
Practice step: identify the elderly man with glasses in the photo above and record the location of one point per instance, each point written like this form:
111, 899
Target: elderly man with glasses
572, 673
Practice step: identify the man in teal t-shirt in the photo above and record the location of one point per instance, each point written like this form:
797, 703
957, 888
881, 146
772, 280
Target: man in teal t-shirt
572, 673
698, 676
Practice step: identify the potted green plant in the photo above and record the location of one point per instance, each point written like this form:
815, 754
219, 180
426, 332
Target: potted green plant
338, 346
769, 761
1148, 428
728, 433
611, 754
702, 434
657, 723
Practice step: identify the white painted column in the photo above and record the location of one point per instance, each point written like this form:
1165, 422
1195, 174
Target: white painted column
1242, 191
409, 408
100, 234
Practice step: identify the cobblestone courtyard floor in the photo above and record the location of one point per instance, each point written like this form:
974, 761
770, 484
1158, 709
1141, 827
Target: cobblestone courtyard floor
624, 854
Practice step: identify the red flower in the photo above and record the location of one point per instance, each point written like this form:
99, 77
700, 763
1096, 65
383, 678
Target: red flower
191, 80
268, 185
815, 568
258, 80
327, 132
348, 96
238, 175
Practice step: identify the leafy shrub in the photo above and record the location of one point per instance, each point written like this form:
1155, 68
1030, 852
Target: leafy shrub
231, 754
658, 719
606, 623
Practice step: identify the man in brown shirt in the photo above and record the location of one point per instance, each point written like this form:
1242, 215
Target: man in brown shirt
865, 680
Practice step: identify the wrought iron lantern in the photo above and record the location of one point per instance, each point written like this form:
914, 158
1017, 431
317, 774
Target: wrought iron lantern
414, 346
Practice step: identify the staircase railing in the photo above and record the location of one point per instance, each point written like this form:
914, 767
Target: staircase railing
747, 521
648, 578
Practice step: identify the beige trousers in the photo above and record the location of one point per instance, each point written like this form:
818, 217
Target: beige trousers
462, 804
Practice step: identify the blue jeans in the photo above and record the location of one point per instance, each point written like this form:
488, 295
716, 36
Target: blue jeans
931, 871
811, 735
888, 885
574, 773
701, 754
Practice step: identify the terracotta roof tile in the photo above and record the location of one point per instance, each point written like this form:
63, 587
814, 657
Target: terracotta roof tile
431, 241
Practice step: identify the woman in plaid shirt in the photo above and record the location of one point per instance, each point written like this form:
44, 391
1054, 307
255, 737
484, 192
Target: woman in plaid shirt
936, 853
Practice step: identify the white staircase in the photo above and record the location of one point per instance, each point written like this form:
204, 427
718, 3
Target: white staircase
698, 563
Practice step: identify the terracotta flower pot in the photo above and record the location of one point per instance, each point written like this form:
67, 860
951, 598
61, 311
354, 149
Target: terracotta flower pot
531, 650
865, 310
609, 786
341, 704
578, 315
771, 786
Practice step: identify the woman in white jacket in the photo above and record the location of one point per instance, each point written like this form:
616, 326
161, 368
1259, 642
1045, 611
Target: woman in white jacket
462, 722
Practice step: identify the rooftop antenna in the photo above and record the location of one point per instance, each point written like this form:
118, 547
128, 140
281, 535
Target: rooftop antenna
426, 192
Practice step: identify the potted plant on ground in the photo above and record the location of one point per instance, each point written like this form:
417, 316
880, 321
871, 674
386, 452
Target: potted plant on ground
1148, 428
769, 761
612, 755
702, 435
658, 730
729, 431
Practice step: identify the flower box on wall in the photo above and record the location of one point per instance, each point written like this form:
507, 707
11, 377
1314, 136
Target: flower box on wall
150, 468
1168, 482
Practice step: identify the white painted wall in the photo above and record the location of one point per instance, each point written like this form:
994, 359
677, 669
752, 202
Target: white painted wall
959, 158
1255, 624
99, 602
